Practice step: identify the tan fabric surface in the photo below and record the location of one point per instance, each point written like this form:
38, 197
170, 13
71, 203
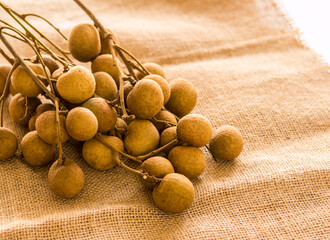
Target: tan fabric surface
251, 72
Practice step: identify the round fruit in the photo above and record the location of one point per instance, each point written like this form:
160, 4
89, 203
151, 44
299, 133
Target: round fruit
50, 63
195, 130
77, 85
99, 156
84, 42
183, 97
105, 86
174, 194
32, 123
128, 87
81, 124
47, 128
153, 68
227, 143
155, 166
163, 85
8, 143
142, 137
146, 99
35, 151
57, 73
168, 135
39, 110
66, 180
105, 63
12, 90
106, 115
120, 128
189, 161
164, 116
4, 71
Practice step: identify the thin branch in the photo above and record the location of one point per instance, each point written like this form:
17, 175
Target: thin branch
173, 143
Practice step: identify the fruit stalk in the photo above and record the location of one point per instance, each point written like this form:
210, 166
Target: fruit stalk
172, 143
59, 143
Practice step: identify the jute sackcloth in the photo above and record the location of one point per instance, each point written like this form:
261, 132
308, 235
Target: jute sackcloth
251, 71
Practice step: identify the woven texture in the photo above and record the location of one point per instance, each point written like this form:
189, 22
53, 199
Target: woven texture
250, 71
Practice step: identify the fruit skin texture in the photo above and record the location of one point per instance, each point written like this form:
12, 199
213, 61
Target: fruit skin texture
167, 136
24, 83
81, 124
84, 42
106, 115
99, 156
50, 63
189, 161
142, 137
4, 71
227, 143
146, 99
8, 143
47, 129
35, 151
155, 166
105, 86
39, 110
183, 97
174, 193
194, 130
163, 85
66, 180
104, 63
77, 85
164, 115
153, 68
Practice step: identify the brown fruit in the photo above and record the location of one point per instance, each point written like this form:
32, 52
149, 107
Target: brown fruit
163, 85
227, 143
4, 71
105, 86
57, 73
50, 63
39, 110
142, 137
106, 115
164, 116
174, 194
128, 87
8, 143
168, 135
77, 85
66, 180
81, 124
104, 63
84, 42
194, 130
153, 68
189, 161
120, 129
32, 123
183, 97
12, 90
146, 99
36, 152
99, 156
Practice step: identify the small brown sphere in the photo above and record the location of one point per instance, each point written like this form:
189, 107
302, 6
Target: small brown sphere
39, 110
183, 97
227, 143
128, 87
47, 128
106, 115
57, 73
189, 161
32, 123
50, 63
120, 129
12, 90
4, 71
168, 135
104, 63
146, 99
153, 68
164, 116
81, 124
174, 194
155, 166
66, 180
163, 84
142, 137
36, 152
8, 143
194, 130
77, 85
105, 86
99, 156
84, 42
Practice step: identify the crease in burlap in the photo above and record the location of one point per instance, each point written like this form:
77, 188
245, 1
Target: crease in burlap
251, 71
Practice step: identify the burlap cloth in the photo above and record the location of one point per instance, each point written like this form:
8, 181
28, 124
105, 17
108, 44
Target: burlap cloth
250, 71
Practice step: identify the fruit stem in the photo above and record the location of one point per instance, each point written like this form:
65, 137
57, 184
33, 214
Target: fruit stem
172, 143
58, 125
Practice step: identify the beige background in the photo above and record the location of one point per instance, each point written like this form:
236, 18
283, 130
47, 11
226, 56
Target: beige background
250, 71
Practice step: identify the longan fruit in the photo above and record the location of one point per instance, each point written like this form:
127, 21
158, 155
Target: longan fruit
81, 124
128, 87
57, 73
105, 86
50, 63
77, 85
18, 111
164, 115
39, 110
24, 83
153, 68
155, 166
32, 123
47, 128
66, 180
174, 194
120, 128
227, 143
142, 137
106, 115
12, 90
189, 161
194, 130
163, 85
99, 156
105, 48
168, 135
8, 143
146, 99
84, 42
36, 152
4, 71
183, 97
104, 63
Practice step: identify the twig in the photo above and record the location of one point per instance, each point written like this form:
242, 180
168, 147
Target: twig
173, 143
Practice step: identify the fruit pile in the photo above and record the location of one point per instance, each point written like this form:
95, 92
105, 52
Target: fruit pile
118, 109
